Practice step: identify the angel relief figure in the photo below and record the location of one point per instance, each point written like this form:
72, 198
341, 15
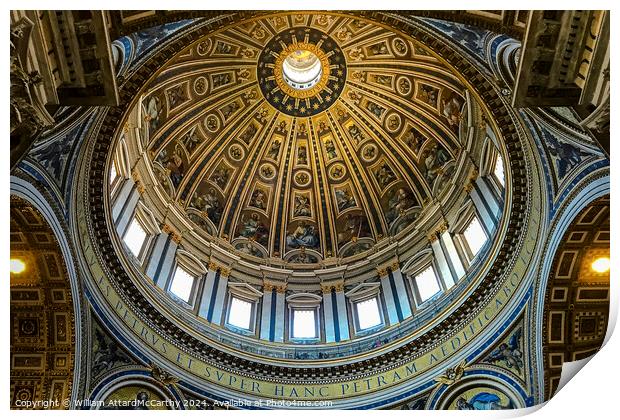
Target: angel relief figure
434, 159
452, 374
302, 206
344, 199
399, 201
414, 139
330, 149
191, 140
429, 95
210, 204
356, 133
153, 113
302, 155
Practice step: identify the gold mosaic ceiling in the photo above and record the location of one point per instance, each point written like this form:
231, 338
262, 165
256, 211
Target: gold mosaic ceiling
305, 176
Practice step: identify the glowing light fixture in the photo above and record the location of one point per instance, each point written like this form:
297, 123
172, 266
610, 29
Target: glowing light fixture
17, 266
601, 265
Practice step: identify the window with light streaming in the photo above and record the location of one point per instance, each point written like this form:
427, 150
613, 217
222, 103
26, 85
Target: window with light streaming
304, 324
498, 171
368, 315
475, 236
427, 284
240, 314
134, 237
182, 284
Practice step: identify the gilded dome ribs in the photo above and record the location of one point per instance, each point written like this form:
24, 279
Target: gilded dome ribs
360, 37
323, 197
371, 202
206, 160
442, 132
189, 116
381, 139
259, 195
285, 175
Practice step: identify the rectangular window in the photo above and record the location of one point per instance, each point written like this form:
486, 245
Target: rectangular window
475, 236
182, 284
368, 314
427, 284
499, 169
240, 313
304, 324
135, 237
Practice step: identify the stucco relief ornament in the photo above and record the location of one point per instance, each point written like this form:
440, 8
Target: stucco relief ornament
162, 376
452, 374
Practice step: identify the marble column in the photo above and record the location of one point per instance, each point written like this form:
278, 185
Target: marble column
220, 296
120, 199
330, 314
441, 260
126, 212
343, 314
398, 285
161, 260
454, 260
273, 310
267, 312
392, 305
280, 304
485, 215
209, 292
493, 200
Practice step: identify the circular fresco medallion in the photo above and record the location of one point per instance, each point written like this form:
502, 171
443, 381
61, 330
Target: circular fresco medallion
369, 152
236, 152
404, 86
297, 75
337, 172
212, 123
302, 178
201, 85
267, 171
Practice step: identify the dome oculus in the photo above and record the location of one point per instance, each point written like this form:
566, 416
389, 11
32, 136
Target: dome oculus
301, 78
302, 69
